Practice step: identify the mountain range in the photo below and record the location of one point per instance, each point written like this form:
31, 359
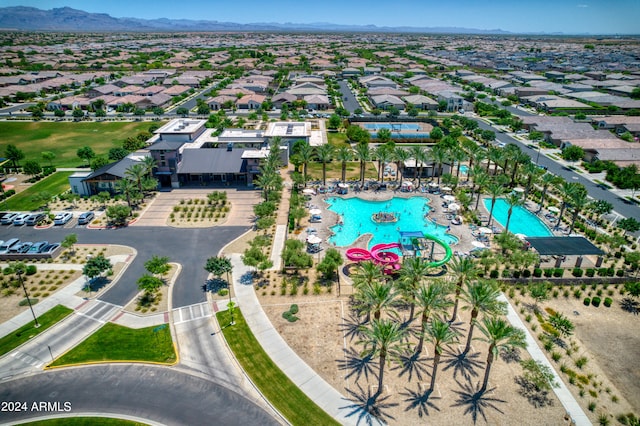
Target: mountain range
67, 19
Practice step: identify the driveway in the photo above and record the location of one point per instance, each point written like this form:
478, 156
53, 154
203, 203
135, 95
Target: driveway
350, 103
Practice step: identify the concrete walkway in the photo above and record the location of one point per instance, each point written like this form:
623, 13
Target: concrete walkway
563, 393
298, 371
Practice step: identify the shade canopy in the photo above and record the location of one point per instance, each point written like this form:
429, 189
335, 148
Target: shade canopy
433, 184
309, 191
485, 230
343, 185
553, 209
407, 183
449, 198
446, 188
315, 211
313, 239
478, 244
518, 189
454, 206
566, 246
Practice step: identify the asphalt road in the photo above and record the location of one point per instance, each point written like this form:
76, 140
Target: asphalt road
160, 394
351, 102
619, 205
189, 247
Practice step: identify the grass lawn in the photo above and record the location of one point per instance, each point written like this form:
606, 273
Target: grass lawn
272, 382
64, 139
334, 170
337, 139
114, 342
27, 331
54, 184
84, 421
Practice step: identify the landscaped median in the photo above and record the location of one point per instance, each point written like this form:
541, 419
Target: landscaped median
281, 392
51, 185
116, 343
29, 331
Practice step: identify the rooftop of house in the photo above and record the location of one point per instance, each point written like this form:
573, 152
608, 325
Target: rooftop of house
289, 129
181, 126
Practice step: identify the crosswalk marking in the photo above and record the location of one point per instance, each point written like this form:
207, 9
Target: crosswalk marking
191, 312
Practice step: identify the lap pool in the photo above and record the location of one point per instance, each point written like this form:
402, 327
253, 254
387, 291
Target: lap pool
356, 215
522, 220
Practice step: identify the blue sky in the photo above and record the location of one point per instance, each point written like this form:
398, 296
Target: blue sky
566, 16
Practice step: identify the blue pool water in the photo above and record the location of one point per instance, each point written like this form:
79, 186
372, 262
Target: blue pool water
395, 126
522, 220
464, 169
356, 220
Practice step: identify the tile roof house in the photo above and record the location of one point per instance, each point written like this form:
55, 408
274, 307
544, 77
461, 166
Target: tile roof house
254, 101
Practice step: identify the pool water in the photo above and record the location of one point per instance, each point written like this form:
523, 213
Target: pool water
522, 220
356, 220
394, 126
464, 169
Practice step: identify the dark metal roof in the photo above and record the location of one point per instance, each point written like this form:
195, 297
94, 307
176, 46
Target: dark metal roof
212, 160
166, 145
563, 246
117, 169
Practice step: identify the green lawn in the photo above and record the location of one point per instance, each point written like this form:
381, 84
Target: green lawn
28, 331
336, 139
83, 421
114, 342
272, 382
334, 170
54, 184
64, 139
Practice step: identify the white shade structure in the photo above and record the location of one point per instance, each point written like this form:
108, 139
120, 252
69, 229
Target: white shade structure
485, 230
407, 184
478, 244
446, 188
308, 191
449, 198
313, 239
315, 211
454, 206
518, 189
433, 184
553, 209
343, 185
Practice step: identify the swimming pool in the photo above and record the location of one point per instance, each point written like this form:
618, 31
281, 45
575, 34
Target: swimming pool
356, 220
393, 127
522, 220
464, 169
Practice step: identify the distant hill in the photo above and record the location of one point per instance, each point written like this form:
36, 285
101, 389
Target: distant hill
68, 19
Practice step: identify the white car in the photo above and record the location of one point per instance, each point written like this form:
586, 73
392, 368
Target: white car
62, 218
21, 219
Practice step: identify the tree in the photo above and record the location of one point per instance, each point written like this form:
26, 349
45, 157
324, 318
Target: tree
432, 298
136, 173
343, 155
101, 113
538, 374
334, 122
495, 189
127, 188
441, 334
48, 156
383, 338
96, 266
573, 153
219, 265
328, 267
366, 274
363, 155
14, 155
539, 292
306, 154
77, 113
58, 113
412, 274
117, 154
500, 336
464, 269
294, 256
514, 199
118, 214
31, 168
400, 155
86, 153
383, 135
98, 162
149, 283
629, 224
182, 111
69, 241
158, 265
324, 154
375, 298
562, 324
482, 298
633, 288
436, 134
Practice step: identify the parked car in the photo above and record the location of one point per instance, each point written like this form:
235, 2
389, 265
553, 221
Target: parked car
62, 218
85, 218
21, 248
7, 245
34, 218
49, 248
37, 247
20, 219
8, 218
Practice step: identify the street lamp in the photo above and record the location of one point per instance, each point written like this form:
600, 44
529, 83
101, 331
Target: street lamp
19, 272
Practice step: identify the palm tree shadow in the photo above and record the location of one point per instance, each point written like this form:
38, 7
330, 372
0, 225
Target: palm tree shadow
476, 402
462, 363
420, 400
370, 408
412, 364
357, 365
351, 327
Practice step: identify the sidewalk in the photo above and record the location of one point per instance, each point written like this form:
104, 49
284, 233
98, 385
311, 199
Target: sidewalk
303, 376
563, 393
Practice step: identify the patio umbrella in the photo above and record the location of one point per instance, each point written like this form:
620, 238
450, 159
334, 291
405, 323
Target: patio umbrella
309, 191
553, 209
315, 211
433, 184
478, 244
520, 236
454, 206
446, 188
485, 230
407, 183
518, 189
343, 185
312, 239
449, 198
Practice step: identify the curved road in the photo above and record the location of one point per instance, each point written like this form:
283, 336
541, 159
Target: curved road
160, 394
189, 247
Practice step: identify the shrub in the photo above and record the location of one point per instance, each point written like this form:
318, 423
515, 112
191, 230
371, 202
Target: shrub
595, 301
293, 309
31, 270
581, 362
537, 272
577, 272
591, 272
548, 272
516, 274
506, 273
494, 274
586, 301
557, 272
577, 293
556, 356
223, 292
24, 302
526, 273
607, 302
620, 273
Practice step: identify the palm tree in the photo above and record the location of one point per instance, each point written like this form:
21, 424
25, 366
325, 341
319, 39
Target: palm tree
305, 153
512, 200
267, 181
400, 155
362, 154
440, 156
496, 155
419, 155
532, 172
127, 188
579, 201
383, 338
567, 191
458, 155
431, 298
149, 164
480, 181
325, 153
482, 298
518, 158
383, 154
495, 189
343, 155
375, 298
366, 274
441, 334
547, 180
412, 274
464, 269
136, 173
500, 336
